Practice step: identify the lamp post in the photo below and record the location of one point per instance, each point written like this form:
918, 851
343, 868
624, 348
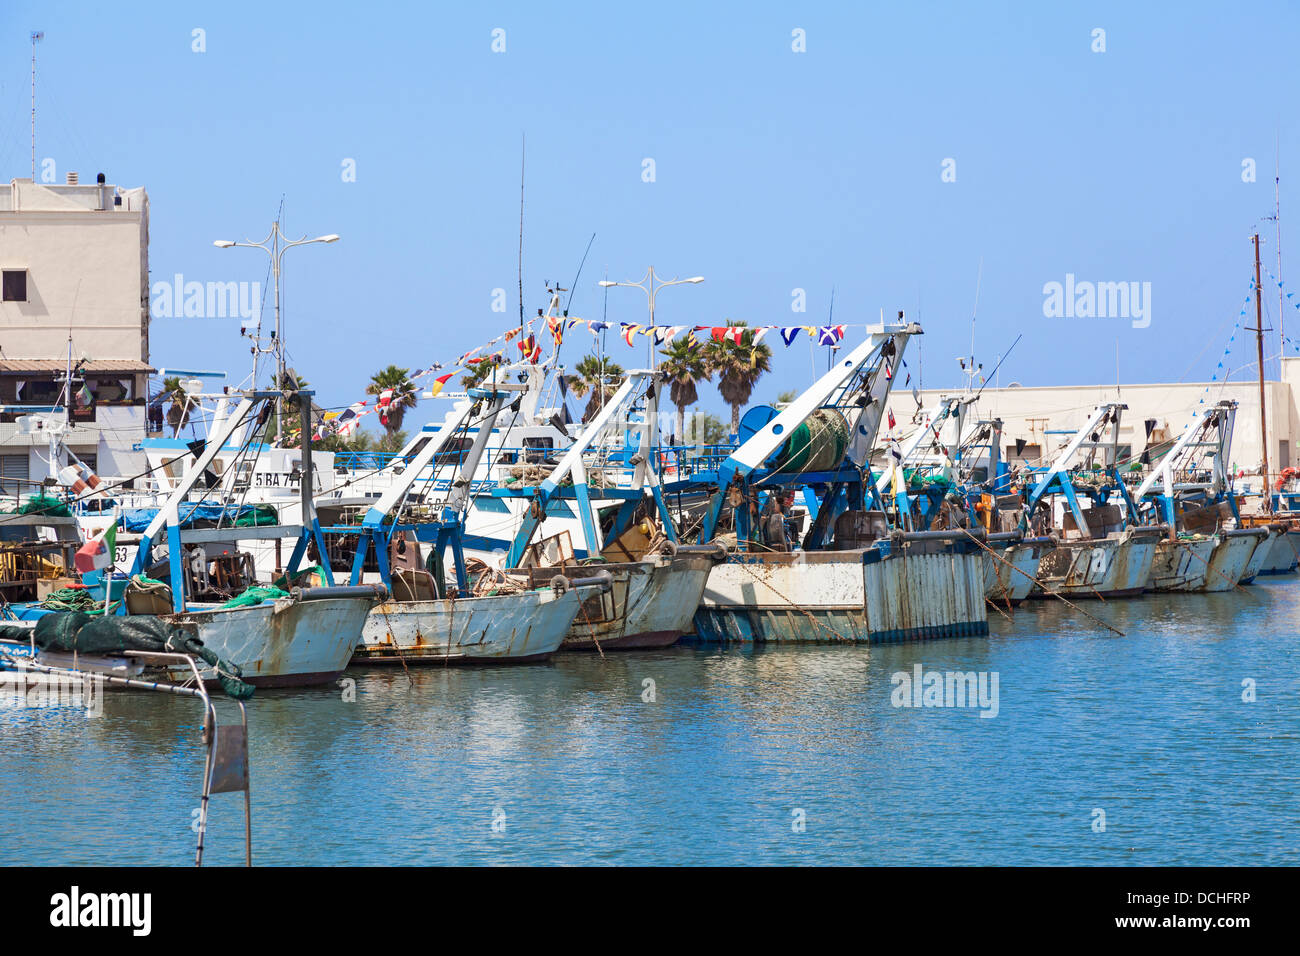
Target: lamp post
275, 245
650, 284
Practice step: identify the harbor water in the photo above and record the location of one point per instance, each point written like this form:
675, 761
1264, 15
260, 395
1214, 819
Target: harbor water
1097, 749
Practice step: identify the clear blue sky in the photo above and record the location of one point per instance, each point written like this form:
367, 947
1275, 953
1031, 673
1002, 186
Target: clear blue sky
774, 170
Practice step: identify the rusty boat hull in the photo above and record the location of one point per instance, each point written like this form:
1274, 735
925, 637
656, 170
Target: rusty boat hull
280, 643
857, 596
1118, 565
1231, 556
651, 603
513, 628
1182, 564
1011, 579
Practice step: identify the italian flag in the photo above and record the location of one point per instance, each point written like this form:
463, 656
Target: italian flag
97, 553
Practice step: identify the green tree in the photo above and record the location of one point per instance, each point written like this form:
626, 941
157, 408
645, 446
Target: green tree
480, 371
392, 442
785, 398
598, 376
738, 366
405, 394
360, 440
685, 365
705, 428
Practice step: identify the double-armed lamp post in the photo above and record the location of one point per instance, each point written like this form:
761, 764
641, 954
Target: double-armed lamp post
275, 245
650, 284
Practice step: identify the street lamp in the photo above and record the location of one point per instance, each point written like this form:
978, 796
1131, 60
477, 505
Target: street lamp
275, 245
650, 288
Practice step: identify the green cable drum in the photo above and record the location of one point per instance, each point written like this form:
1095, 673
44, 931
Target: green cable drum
817, 443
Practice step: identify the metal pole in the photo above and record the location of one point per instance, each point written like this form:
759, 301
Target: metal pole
306, 489
1259, 343
650, 339
276, 253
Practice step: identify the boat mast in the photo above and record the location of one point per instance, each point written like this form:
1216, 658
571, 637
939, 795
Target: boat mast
1259, 343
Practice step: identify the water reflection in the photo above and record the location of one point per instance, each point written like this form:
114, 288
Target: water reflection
578, 767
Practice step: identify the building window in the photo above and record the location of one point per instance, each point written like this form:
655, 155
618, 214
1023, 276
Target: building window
15, 285
40, 392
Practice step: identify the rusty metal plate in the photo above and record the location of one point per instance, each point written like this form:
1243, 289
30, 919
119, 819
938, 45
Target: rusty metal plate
230, 759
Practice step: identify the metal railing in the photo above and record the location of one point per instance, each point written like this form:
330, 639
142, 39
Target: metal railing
225, 763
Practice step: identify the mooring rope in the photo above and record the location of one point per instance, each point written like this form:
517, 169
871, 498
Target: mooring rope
1060, 597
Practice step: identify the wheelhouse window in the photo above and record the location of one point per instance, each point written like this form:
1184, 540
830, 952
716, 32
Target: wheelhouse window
15, 285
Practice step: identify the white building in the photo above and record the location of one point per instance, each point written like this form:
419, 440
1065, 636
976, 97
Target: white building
75, 264
1044, 417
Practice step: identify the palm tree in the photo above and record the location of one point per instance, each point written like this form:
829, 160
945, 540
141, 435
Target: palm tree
685, 365
405, 394
738, 367
594, 374
178, 413
480, 371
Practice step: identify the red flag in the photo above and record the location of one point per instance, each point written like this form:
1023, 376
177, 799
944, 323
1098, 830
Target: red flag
891, 418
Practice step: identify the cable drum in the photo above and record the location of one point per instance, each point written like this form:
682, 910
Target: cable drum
818, 443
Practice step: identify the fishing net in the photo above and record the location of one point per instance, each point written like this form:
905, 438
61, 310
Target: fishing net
71, 631
255, 595
45, 505
15, 633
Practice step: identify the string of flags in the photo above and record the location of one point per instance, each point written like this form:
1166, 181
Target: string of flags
1288, 296
1221, 368
346, 422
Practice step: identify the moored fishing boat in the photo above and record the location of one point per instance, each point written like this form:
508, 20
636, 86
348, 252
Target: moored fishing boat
650, 603
1011, 569
1096, 555
655, 587
1182, 563
904, 590
282, 637
1190, 490
852, 580
1118, 565
515, 627
424, 621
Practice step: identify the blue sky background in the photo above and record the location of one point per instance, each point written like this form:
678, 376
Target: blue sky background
775, 170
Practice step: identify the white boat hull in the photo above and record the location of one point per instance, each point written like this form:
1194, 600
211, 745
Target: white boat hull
282, 643
503, 628
843, 597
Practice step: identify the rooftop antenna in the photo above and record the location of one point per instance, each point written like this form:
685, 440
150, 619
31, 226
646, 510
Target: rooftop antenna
37, 35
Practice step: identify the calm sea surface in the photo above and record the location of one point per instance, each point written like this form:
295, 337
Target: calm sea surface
786, 756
